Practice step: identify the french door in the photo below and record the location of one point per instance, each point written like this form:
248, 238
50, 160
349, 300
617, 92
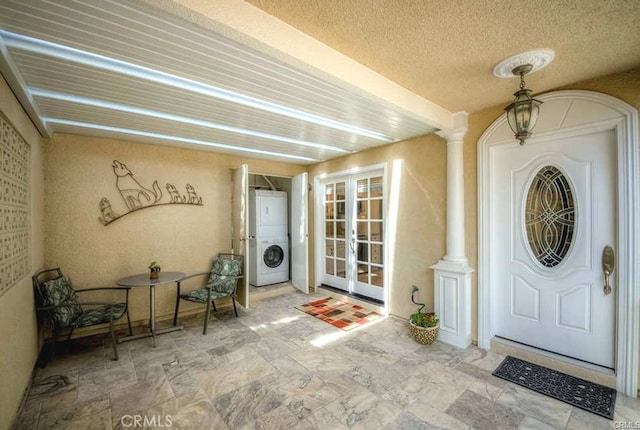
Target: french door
353, 233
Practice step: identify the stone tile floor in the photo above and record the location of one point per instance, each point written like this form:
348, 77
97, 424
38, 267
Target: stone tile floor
275, 367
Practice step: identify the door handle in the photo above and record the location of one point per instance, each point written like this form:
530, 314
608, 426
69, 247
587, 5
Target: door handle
608, 266
352, 244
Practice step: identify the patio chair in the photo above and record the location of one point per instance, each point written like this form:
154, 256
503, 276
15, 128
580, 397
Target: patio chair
225, 272
57, 300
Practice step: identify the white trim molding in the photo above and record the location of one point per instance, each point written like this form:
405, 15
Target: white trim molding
609, 114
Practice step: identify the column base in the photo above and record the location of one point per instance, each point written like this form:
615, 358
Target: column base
452, 294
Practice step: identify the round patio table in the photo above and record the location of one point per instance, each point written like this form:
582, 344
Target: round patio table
143, 280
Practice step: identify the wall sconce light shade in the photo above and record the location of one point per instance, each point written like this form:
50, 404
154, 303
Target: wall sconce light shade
522, 114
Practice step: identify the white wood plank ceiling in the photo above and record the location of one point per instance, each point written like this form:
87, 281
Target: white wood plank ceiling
129, 71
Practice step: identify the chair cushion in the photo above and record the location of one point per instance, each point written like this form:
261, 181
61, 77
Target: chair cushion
56, 292
223, 285
101, 314
200, 295
226, 267
221, 269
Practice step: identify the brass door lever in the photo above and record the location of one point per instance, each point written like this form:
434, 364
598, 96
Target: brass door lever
608, 266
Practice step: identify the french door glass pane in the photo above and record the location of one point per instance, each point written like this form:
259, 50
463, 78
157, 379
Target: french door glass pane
340, 229
340, 191
341, 210
377, 276
329, 230
362, 189
376, 186
363, 209
363, 251
376, 231
376, 253
341, 269
329, 266
329, 196
329, 211
376, 209
340, 248
329, 249
363, 273
363, 230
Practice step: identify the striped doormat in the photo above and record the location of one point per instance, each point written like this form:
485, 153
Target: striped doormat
591, 397
338, 313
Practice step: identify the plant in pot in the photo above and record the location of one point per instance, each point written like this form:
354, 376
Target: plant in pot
154, 270
423, 326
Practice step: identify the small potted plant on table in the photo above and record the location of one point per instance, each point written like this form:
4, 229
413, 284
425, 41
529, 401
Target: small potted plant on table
154, 269
423, 326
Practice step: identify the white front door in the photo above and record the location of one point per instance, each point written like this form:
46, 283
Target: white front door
553, 211
353, 208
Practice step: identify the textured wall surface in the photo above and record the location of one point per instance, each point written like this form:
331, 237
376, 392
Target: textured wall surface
18, 328
421, 213
182, 238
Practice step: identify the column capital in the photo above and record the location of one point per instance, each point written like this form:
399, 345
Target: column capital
460, 125
453, 135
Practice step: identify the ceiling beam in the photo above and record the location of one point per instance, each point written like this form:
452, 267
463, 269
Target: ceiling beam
251, 26
19, 87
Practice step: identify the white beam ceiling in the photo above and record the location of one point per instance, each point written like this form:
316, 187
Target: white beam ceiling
164, 74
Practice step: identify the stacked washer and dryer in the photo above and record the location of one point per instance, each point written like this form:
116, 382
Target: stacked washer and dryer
269, 250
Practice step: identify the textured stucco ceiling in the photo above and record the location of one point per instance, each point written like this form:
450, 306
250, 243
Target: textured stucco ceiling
445, 50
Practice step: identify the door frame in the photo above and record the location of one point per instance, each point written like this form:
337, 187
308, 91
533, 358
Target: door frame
240, 216
610, 114
318, 220
299, 234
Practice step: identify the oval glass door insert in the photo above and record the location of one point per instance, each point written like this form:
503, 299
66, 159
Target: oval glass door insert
550, 216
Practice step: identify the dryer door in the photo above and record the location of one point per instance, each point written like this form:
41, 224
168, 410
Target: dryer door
273, 256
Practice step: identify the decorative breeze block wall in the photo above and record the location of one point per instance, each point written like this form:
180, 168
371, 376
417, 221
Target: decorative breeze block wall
15, 252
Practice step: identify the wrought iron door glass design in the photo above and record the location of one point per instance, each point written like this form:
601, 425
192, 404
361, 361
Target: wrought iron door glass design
550, 216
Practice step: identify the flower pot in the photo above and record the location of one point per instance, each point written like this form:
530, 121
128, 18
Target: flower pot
154, 273
423, 335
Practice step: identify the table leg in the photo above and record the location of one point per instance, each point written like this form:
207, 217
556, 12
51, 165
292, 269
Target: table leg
152, 318
152, 322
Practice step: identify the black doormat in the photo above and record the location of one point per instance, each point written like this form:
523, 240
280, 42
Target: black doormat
594, 398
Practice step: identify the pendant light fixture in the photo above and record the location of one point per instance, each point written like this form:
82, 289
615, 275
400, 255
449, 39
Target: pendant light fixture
522, 113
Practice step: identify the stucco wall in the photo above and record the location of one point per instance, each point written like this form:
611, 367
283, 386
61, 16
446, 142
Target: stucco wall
18, 328
421, 223
179, 237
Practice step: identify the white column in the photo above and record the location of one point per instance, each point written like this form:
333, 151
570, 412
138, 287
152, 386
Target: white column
452, 282
455, 195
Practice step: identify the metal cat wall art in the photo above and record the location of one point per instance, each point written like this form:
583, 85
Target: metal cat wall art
136, 196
